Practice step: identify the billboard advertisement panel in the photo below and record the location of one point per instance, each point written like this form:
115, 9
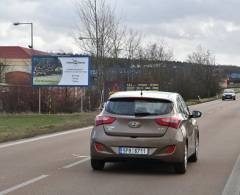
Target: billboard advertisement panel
60, 70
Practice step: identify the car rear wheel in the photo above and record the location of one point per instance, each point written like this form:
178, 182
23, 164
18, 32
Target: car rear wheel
181, 167
194, 157
97, 164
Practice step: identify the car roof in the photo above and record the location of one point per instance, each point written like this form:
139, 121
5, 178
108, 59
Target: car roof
145, 94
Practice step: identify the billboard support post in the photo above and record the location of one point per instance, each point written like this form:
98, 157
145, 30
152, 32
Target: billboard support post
82, 97
82, 100
39, 100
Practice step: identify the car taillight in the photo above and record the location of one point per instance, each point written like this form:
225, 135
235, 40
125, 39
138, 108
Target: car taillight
169, 122
104, 120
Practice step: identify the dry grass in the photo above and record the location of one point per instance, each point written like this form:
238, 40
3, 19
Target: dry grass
19, 126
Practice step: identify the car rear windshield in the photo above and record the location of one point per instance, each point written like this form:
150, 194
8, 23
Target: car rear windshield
139, 106
228, 91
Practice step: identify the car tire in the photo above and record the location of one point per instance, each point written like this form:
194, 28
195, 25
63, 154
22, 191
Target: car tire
223, 99
194, 157
97, 164
181, 167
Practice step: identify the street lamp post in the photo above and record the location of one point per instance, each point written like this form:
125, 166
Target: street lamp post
83, 91
31, 47
82, 38
26, 23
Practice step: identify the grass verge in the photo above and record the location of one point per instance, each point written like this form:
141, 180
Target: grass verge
19, 126
203, 100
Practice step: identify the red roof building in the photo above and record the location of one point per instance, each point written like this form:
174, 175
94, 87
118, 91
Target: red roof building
17, 64
16, 52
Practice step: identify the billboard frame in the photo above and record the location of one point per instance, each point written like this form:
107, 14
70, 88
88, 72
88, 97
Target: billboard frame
62, 56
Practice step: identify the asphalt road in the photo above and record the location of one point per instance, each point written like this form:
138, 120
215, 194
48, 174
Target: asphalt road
59, 164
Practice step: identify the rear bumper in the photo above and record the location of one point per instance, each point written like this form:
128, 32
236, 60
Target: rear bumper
156, 146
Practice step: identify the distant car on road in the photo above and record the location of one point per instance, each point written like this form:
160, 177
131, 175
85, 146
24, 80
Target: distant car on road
145, 125
229, 94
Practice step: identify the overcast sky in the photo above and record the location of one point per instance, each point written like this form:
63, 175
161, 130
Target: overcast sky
182, 24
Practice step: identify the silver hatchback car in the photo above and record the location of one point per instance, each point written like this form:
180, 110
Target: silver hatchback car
229, 94
145, 125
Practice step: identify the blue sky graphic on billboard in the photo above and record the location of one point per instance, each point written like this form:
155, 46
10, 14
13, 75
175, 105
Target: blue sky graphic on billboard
60, 70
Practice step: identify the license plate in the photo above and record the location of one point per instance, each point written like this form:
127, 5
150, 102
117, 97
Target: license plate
134, 151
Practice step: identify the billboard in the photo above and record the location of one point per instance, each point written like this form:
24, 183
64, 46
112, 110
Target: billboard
60, 71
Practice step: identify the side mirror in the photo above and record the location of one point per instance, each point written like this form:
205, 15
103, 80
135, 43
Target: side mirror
196, 114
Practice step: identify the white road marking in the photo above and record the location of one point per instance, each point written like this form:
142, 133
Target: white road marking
232, 187
75, 163
79, 156
23, 184
43, 137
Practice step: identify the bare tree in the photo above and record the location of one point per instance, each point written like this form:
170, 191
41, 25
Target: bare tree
99, 28
159, 52
132, 44
101, 35
204, 69
117, 41
201, 56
